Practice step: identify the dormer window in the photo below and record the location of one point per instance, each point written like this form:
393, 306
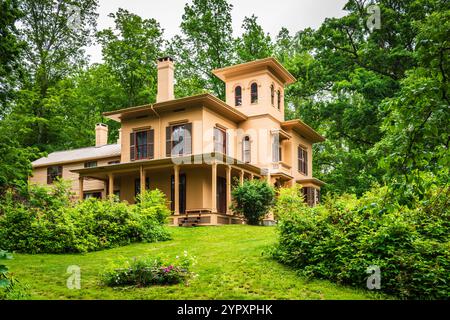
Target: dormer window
254, 92
279, 99
272, 94
238, 96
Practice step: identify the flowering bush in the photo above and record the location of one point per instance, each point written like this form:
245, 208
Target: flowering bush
149, 271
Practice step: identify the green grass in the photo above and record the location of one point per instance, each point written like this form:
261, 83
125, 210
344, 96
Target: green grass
232, 264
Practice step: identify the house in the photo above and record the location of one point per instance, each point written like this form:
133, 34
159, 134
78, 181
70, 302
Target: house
195, 148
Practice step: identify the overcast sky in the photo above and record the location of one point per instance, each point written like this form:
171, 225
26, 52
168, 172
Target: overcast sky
272, 15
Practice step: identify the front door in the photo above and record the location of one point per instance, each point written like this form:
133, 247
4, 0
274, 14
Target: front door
182, 193
221, 195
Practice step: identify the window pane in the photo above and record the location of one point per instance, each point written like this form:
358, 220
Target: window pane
238, 96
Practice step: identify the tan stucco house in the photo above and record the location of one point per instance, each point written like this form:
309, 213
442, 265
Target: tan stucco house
195, 148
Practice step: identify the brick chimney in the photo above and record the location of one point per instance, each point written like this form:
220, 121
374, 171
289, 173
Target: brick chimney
165, 79
101, 134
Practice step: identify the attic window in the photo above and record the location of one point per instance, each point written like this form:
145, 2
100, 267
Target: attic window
90, 164
272, 94
279, 99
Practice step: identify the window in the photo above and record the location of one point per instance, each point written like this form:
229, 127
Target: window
272, 94
309, 195
279, 99
54, 173
238, 96
179, 140
137, 185
220, 140
114, 162
90, 164
254, 92
303, 160
142, 145
96, 195
276, 148
246, 150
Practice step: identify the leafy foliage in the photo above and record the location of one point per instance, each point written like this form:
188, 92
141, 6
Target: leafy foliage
149, 271
253, 200
340, 239
10, 288
43, 220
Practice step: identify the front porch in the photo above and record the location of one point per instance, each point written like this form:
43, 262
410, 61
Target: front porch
198, 190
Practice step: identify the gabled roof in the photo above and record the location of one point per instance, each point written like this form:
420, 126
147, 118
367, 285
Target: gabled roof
83, 154
206, 100
270, 64
303, 129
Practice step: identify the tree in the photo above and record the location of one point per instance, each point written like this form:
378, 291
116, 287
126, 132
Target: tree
206, 44
254, 43
130, 51
253, 200
55, 33
10, 49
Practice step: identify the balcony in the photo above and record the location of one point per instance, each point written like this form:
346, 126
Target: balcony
281, 167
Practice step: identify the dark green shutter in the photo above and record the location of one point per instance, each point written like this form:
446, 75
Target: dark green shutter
188, 139
168, 142
151, 143
132, 146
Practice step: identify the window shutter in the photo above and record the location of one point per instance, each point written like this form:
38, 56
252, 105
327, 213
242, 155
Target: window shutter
49, 176
305, 161
227, 143
151, 143
311, 196
168, 141
132, 146
188, 139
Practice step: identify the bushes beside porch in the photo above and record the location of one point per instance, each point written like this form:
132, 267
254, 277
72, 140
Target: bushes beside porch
36, 219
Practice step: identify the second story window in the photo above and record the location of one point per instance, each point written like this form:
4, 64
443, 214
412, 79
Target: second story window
142, 145
302, 160
246, 150
54, 173
276, 148
279, 99
272, 94
179, 140
254, 93
238, 96
90, 164
220, 140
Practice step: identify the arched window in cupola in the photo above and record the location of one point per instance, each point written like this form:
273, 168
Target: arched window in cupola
254, 92
238, 96
272, 94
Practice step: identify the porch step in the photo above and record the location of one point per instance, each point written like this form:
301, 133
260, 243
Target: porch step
189, 221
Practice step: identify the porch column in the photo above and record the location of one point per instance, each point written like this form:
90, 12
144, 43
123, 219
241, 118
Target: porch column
241, 177
228, 174
268, 177
214, 187
142, 178
252, 176
105, 190
80, 188
111, 185
176, 170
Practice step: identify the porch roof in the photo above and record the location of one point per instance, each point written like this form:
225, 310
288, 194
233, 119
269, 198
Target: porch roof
199, 159
303, 129
315, 181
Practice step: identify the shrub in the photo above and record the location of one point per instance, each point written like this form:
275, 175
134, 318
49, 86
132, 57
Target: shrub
149, 271
10, 288
340, 239
253, 200
44, 220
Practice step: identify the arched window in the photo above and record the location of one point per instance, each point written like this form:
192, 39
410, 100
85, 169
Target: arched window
246, 150
279, 99
254, 92
272, 94
238, 96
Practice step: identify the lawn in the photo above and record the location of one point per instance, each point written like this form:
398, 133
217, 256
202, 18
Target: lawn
232, 264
